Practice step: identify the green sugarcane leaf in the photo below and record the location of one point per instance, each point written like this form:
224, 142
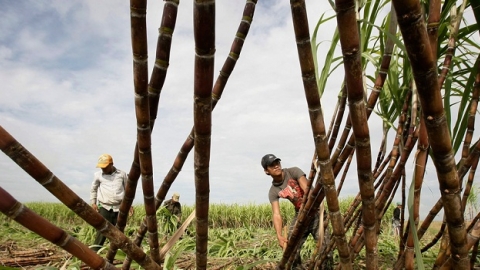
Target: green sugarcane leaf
413, 228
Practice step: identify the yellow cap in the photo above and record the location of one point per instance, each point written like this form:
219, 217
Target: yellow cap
176, 196
104, 160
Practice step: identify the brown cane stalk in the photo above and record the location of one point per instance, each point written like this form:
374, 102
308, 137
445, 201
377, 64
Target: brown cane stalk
338, 157
342, 101
344, 175
157, 80
473, 258
138, 11
455, 20
412, 26
398, 145
302, 37
48, 180
218, 88
436, 237
432, 29
420, 165
381, 201
468, 187
474, 154
471, 114
204, 35
433, 23
35, 223
443, 250
350, 43
473, 237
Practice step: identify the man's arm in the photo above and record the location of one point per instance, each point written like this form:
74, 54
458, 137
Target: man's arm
303, 182
93, 194
278, 223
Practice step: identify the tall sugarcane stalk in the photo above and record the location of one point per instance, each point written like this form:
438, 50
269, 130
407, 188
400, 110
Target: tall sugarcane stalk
380, 79
465, 160
391, 181
304, 48
157, 80
48, 180
412, 26
339, 113
465, 166
347, 146
398, 145
217, 91
473, 237
433, 23
342, 152
204, 35
421, 158
350, 43
41, 226
138, 12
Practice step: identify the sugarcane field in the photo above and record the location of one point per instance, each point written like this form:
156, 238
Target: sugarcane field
343, 138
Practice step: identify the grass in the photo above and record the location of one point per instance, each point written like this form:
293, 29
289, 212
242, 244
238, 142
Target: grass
239, 235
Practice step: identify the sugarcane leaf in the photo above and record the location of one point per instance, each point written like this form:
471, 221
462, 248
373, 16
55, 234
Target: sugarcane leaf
413, 228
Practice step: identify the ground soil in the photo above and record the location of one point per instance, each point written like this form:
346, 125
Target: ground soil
18, 255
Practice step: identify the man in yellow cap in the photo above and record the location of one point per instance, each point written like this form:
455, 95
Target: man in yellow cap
106, 193
173, 205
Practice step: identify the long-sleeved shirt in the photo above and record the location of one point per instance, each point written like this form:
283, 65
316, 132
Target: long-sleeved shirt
108, 189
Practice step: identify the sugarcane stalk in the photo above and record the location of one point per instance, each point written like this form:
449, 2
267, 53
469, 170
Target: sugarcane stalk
218, 88
154, 89
38, 171
350, 44
41, 226
138, 10
412, 26
29, 253
304, 48
204, 35
22, 262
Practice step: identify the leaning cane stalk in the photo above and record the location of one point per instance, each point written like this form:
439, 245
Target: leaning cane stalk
35, 223
218, 88
54, 185
157, 80
412, 26
138, 11
344, 147
304, 48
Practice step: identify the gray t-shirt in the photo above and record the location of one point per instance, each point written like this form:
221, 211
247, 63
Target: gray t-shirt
289, 188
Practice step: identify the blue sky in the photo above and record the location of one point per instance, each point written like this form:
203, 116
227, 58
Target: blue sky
67, 96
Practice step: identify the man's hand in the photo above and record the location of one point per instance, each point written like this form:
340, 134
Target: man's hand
282, 241
95, 207
131, 211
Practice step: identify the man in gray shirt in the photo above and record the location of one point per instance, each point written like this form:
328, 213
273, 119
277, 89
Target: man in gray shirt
106, 194
290, 184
